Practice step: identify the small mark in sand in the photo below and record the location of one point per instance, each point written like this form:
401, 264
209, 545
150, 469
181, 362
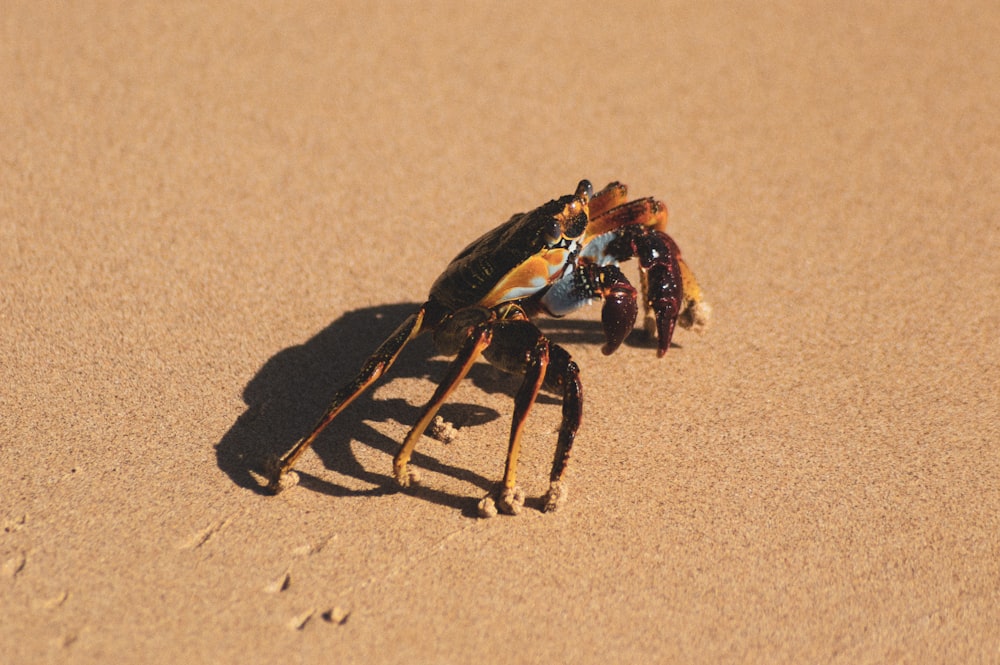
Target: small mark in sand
336, 615
299, 621
14, 565
280, 584
16, 524
51, 603
309, 549
199, 538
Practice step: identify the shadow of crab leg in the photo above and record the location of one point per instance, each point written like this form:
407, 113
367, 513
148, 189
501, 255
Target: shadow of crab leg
374, 367
479, 338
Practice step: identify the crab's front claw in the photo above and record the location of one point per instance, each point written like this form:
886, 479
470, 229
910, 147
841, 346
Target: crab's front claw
619, 310
663, 300
673, 297
662, 282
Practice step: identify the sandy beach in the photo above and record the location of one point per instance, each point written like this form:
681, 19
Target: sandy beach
211, 215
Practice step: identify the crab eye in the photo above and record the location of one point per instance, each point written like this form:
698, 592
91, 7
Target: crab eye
553, 232
585, 189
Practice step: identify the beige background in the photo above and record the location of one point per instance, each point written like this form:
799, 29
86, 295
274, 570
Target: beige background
208, 217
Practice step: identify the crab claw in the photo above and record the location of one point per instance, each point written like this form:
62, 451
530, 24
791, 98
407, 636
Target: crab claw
588, 283
662, 285
663, 296
672, 294
619, 310
618, 316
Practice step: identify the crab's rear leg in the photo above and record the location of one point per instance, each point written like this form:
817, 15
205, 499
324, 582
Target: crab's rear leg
613, 195
477, 339
517, 346
520, 348
511, 498
563, 374
374, 367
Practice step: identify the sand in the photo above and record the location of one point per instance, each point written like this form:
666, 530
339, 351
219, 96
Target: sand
209, 216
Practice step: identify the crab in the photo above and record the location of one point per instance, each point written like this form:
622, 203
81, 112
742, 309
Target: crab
549, 261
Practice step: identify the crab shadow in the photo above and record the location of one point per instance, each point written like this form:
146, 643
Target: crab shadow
293, 388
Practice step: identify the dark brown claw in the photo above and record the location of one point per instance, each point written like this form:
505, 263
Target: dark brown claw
662, 282
619, 310
664, 293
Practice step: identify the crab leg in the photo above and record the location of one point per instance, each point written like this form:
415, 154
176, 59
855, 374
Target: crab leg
662, 283
517, 347
642, 212
612, 196
520, 348
563, 373
511, 498
479, 338
374, 367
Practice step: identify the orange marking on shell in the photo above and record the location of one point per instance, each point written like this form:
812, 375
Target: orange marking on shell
525, 279
556, 258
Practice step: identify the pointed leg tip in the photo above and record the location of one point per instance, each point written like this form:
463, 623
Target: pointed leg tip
282, 482
664, 326
555, 498
697, 316
407, 477
511, 500
278, 479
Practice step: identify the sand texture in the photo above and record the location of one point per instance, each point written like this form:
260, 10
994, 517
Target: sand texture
211, 214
